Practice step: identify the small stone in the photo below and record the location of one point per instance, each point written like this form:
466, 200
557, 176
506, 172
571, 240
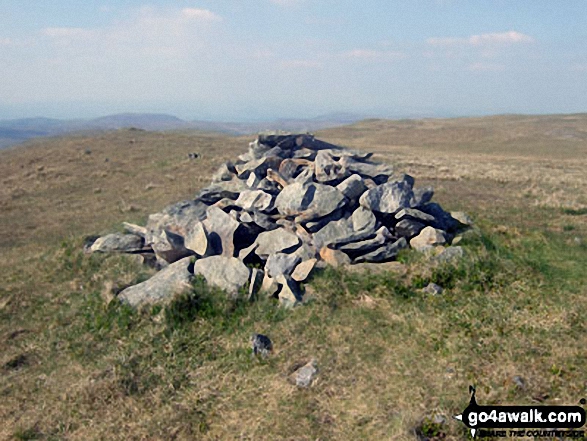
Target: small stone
261, 345
519, 382
432, 289
304, 376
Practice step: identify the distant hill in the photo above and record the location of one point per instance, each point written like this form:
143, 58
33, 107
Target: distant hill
15, 131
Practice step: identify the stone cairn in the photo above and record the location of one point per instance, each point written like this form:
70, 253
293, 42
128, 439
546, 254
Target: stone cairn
291, 204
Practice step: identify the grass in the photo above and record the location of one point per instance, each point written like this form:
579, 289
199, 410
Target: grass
391, 359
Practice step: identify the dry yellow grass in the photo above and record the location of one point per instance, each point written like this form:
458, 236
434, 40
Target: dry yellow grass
388, 356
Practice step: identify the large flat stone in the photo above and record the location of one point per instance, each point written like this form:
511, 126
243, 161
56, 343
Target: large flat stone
276, 241
227, 273
162, 287
313, 200
118, 242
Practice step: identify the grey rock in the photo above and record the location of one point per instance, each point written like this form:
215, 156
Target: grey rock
289, 293
412, 213
304, 153
327, 169
304, 376
382, 236
175, 218
422, 196
258, 166
281, 264
261, 345
264, 221
428, 237
305, 177
135, 229
432, 289
255, 200
196, 239
388, 198
162, 287
222, 190
306, 251
334, 258
220, 227
169, 246
519, 382
318, 224
442, 219
313, 200
227, 273
246, 217
118, 242
363, 219
224, 173
352, 187
253, 181
380, 173
255, 283
386, 252
341, 232
269, 286
303, 270
408, 228
275, 241
463, 218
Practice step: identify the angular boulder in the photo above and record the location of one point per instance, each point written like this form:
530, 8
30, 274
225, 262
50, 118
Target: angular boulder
172, 280
227, 273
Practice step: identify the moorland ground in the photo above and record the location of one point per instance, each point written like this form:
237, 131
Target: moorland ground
391, 358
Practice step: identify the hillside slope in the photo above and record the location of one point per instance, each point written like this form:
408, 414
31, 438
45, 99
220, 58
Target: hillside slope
394, 363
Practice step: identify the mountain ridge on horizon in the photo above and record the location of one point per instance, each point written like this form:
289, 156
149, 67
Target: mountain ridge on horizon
16, 131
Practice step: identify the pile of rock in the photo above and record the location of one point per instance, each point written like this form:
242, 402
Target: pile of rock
290, 204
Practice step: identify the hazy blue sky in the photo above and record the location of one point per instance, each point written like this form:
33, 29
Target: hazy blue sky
252, 59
